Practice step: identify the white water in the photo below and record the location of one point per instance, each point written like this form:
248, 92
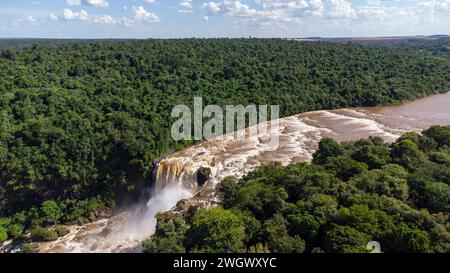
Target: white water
122, 233
299, 136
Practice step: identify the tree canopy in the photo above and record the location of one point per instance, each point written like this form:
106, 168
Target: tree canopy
314, 208
82, 121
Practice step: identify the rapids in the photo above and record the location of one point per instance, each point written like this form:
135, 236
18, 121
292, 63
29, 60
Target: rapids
298, 135
124, 232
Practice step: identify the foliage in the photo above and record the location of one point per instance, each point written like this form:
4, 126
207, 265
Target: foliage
82, 121
390, 180
169, 236
216, 230
40, 234
344, 239
30, 248
62, 231
439, 134
338, 203
3, 235
328, 147
409, 240
278, 238
51, 212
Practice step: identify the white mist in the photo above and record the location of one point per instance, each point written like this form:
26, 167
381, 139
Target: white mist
124, 232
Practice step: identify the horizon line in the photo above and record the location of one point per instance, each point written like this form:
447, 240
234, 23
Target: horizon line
226, 37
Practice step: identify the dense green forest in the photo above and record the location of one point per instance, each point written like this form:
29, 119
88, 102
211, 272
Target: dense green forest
438, 47
352, 194
82, 121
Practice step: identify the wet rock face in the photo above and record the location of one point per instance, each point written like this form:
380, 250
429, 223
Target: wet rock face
203, 175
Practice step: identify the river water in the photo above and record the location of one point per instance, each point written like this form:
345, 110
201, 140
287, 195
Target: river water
298, 139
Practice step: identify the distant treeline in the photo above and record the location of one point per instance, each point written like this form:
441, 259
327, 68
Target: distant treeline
438, 47
82, 121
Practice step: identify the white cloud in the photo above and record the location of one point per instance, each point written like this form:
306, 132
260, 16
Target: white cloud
298, 7
341, 9
105, 19
432, 6
371, 12
127, 22
53, 17
70, 15
73, 2
30, 19
185, 6
272, 12
212, 7
230, 8
281, 11
140, 14
96, 3
290, 18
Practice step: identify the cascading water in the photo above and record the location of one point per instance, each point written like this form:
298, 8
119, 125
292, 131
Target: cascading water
299, 135
170, 172
126, 231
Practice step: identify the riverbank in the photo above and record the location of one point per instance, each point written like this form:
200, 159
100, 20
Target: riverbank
393, 195
299, 136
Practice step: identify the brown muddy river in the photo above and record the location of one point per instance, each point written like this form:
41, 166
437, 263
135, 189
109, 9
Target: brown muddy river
298, 138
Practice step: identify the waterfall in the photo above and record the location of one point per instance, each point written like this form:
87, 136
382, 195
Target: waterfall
167, 174
176, 170
125, 232
175, 176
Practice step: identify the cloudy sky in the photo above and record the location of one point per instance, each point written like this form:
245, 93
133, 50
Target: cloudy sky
221, 18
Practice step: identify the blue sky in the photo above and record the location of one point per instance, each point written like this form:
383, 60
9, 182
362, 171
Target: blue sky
221, 18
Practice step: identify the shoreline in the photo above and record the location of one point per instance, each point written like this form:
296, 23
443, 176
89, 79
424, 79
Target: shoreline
207, 196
